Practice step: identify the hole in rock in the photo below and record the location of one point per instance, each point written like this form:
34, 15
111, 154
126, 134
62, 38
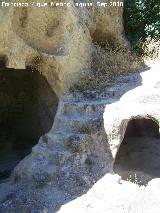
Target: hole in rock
27, 109
138, 158
3, 60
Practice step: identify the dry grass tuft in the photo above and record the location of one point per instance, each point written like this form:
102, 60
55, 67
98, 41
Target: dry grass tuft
152, 50
106, 64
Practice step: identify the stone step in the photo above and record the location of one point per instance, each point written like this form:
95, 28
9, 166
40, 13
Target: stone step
111, 91
52, 154
77, 117
60, 144
101, 101
71, 141
61, 137
83, 108
80, 124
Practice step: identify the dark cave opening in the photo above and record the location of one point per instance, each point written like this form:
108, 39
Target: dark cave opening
3, 61
142, 128
27, 109
138, 158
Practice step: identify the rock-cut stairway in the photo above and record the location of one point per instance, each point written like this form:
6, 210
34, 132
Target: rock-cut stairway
74, 124
77, 144
73, 150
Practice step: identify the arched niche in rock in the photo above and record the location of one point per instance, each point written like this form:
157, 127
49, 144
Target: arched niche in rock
137, 158
27, 109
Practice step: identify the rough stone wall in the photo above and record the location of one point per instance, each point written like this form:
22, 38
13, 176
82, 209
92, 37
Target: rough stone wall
59, 41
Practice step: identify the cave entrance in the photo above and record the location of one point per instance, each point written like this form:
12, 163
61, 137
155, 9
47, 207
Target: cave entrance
138, 158
27, 109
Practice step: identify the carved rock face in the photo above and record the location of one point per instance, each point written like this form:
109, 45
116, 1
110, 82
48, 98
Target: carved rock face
62, 37
40, 29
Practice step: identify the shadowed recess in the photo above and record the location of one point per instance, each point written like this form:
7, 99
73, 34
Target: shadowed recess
138, 158
27, 109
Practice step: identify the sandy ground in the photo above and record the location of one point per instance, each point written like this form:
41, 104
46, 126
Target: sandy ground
110, 195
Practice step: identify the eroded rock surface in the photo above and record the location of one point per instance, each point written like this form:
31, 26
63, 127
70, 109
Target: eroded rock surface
82, 144
58, 40
141, 102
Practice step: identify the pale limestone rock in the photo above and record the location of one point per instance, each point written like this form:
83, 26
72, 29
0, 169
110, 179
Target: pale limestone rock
141, 102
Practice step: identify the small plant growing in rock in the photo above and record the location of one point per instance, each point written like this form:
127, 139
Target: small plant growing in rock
74, 145
107, 63
75, 87
85, 130
36, 62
